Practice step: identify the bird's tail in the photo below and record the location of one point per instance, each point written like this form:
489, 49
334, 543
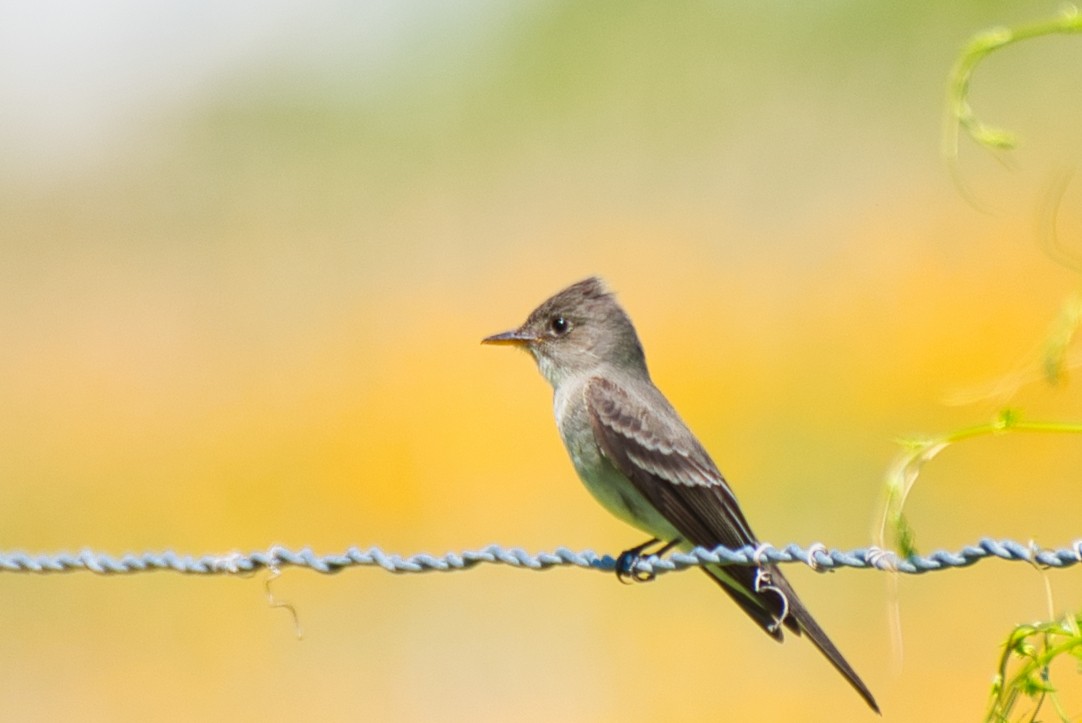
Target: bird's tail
819, 639
768, 598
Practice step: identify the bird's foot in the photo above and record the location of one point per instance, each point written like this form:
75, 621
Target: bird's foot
627, 570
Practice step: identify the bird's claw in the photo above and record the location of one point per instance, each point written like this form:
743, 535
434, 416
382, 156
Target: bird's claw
627, 564
627, 568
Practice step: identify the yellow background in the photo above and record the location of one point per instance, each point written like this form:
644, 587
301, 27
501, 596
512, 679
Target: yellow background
246, 258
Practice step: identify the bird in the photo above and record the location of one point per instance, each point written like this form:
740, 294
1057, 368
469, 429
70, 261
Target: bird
638, 458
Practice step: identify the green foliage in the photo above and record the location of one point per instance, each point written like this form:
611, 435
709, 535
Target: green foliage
895, 529
1024, 668
959, 113
1024, 671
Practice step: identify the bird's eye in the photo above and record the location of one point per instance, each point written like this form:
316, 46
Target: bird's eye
559, 325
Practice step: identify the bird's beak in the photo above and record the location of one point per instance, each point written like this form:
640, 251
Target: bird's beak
512, 338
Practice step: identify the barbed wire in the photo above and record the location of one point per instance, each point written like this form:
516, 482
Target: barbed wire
816, 556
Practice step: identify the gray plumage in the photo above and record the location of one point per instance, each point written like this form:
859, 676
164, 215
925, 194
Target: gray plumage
637, 457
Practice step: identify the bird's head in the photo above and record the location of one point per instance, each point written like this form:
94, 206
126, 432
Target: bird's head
577, 331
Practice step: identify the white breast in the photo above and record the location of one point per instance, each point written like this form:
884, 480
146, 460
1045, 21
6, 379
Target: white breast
608, 486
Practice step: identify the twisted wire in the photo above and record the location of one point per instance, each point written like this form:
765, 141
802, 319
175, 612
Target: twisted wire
816, 556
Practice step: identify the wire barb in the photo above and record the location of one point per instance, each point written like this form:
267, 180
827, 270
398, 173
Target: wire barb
817, 556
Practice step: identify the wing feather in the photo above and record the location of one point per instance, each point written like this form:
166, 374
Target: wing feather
678, 477
649, 444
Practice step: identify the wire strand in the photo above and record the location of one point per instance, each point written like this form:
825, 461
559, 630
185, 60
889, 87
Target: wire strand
816, 556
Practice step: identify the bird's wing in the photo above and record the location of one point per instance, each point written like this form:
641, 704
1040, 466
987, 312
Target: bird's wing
676, 475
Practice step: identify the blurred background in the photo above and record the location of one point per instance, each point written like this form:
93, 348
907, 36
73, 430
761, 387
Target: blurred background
247, 253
